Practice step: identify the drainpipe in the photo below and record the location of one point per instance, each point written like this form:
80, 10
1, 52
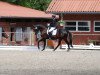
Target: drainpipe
61, 16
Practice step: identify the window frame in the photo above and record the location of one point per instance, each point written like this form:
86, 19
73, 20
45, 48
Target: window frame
89, 25
71, 26
1, 33
95, 26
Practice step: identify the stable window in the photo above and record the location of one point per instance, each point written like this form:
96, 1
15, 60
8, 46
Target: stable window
71, 26
26, 33
83, 26
97, 26
18, 34
78, 25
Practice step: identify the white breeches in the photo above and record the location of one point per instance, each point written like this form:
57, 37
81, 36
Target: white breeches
51, 29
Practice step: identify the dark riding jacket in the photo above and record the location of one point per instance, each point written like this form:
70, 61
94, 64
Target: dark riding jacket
53, 23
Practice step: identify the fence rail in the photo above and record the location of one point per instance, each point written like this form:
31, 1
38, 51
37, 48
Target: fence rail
82, 47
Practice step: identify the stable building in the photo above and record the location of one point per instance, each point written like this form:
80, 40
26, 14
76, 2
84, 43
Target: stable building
16, 24
81, 17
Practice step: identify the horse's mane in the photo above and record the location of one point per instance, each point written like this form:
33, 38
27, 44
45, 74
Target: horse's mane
41, 26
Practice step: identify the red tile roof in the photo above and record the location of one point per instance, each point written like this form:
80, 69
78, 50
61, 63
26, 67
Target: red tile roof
70, 6
14, 11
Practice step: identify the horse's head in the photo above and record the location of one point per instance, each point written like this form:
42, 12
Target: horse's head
36, 29
4, 34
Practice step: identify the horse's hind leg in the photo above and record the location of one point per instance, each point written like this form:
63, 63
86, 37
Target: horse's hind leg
70, 37
71, 45
67, 44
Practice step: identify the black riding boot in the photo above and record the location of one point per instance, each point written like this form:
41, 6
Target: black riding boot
50, 35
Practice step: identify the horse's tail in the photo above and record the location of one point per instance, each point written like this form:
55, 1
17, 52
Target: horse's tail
70, 36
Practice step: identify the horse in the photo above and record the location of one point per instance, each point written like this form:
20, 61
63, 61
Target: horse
62, 34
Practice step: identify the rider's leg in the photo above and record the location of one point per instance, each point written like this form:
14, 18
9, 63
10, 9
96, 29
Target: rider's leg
48, 31
50, 34
51, 29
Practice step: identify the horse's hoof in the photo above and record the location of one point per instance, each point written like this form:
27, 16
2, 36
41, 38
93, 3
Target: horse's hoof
42, 50
68, 49
53, 50
72, 46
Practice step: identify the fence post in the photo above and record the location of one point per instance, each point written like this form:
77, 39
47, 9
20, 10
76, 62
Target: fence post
9, 36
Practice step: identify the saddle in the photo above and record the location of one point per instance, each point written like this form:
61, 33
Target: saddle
52, 31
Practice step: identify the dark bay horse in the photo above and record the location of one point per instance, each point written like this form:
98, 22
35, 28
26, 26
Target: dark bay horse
62, 34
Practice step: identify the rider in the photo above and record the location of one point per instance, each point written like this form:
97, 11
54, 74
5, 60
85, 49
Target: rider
52, 25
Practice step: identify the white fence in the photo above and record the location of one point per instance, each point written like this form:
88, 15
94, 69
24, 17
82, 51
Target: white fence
82, 47
17, 38
85, 46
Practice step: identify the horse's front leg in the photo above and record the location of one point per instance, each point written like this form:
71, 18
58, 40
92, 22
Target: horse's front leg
44, 41
59, 42
39, 43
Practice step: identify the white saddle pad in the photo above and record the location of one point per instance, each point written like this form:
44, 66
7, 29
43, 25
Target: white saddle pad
54, 32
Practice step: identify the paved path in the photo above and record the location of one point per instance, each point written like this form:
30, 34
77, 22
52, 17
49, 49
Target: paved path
75, 62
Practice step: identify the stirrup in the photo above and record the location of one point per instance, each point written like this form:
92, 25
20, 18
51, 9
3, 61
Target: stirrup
49, 38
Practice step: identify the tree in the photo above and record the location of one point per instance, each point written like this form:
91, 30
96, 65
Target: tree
36, 4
